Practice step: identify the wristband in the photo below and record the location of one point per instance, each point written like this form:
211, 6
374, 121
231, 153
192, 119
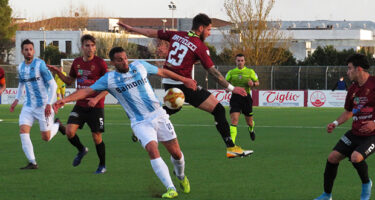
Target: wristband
335, 122
230, 87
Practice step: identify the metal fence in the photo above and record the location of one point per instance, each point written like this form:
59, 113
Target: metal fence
270, 77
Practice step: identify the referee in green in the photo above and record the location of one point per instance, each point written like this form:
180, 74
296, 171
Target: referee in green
241, 76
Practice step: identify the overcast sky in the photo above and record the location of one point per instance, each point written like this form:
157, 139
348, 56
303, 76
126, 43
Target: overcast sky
283, 9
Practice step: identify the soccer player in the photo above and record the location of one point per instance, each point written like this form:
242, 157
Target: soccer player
40, 92
86, 70
149, 121
358, 143
2, 81
60, 85
244, 77
186, 48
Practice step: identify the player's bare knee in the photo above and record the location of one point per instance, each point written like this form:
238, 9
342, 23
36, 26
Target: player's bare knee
45, 136
334, 157
356, 157
97, 137
152, 150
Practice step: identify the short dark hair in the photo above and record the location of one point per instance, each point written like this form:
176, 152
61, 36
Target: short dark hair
88, 37
199, 20
27, 41
358, 60
115, 50
240, 55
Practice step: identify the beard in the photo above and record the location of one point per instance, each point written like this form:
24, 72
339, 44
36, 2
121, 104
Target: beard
202, 38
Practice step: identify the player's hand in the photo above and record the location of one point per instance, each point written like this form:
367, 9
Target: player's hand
239, 90
330, 127
250, 83
367, 127
190, 83
14, 104
47, 110
53, 68
125, 26
92, 102
57, 105
226, 90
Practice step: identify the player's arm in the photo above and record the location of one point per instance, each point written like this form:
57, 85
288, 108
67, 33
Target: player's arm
189, 83
77, 95
51, 94
21, 87
94, 100
66, 79
221, 80
143, 31
2, 85
345, 116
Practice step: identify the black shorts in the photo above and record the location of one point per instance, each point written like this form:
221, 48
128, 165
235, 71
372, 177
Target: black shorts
349, 142
94, 117
194, 98
242, 104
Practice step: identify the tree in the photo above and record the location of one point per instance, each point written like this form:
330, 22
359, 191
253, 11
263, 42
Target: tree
52, 55
261, 42
105, 42
7, 30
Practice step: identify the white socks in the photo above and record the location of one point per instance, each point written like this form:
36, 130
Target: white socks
162, 171
54, 129
27, 147
179, 167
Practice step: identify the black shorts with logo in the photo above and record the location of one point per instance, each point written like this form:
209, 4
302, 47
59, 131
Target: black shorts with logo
94, 117
349, 142
194, 98
242, 104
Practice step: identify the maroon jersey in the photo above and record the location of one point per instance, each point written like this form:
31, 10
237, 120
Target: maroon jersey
2, 73
360, 100
86, 74
184, 50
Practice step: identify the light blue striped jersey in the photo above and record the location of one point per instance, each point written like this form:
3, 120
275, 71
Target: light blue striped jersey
35, 78
132, 90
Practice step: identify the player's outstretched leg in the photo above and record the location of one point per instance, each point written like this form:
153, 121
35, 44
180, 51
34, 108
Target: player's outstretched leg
324, 196
77, 160
28, 149
179, 171
252, 131
366, 191
233, 132
62, 128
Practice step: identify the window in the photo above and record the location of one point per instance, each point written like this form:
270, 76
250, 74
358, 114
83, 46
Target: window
55, 43
68, 47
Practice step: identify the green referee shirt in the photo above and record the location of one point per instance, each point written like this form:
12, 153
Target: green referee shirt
240, 77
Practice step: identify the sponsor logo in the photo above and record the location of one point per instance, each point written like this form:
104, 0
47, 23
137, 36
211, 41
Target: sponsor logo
280, 97
346, 140
318, 98
131, 85
369, 150
30, 79
74, 114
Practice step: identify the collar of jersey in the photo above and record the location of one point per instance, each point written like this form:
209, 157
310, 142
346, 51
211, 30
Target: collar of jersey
192, 34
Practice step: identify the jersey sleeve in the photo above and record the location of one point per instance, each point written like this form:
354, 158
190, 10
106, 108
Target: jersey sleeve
204, 56
73, 70
151, 69
228, 76
2, 73
165, 35
101, 84
348, 100
254, 76
44, 72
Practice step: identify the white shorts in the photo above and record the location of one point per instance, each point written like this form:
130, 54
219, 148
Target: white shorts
29, 114
156, 128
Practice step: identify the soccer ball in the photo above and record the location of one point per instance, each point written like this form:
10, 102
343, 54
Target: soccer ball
174, 98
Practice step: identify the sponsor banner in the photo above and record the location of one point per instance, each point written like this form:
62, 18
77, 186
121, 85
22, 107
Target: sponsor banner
281, 98
326, 98
9, 95
222, 96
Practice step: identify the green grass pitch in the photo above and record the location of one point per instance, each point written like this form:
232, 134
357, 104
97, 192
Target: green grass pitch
289, 157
